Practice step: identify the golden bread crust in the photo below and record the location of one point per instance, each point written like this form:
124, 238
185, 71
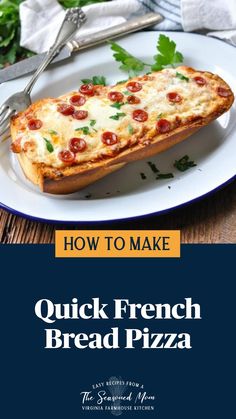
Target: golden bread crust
68, 179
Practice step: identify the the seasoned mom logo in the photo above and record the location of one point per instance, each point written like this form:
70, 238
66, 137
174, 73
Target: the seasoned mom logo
117, 396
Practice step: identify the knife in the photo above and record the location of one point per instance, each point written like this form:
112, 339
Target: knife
30, 64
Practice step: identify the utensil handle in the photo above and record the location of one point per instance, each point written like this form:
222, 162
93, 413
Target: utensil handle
74, 18
133, 25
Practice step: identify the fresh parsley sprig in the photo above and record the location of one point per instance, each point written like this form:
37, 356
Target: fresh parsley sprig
129, 63
167, 56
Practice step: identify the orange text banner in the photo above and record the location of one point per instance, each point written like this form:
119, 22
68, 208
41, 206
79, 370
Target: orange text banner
117, 243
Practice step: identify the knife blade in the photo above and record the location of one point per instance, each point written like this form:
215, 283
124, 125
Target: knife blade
31, 64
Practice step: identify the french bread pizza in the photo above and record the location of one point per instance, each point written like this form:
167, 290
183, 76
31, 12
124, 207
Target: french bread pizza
64, 144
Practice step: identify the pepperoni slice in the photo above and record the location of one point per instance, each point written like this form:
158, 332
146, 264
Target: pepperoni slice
77, 100
134, 86
163, 126
174, 97
65, 109
200, 81
223, 92
81, 114
34, 124
87, 89
115, 96
140, 115
109, 138
66, 156
133, 100
77, 145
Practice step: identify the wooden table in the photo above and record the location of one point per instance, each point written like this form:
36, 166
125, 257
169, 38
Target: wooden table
210, 220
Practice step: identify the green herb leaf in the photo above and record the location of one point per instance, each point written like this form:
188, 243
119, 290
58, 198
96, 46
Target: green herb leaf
160, 116
128, 62
52, 132
181, 76
168, 56
99, 80
153, 167
184, 164
126, 92
85, 130
96, 80
122, 81
92, 122
49, 145
117, 116
86, 81
130, 129
117, 105
165, 176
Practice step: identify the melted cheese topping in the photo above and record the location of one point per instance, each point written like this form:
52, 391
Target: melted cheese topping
58, 129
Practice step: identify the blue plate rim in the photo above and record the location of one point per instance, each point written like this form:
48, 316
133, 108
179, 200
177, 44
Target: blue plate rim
155, 213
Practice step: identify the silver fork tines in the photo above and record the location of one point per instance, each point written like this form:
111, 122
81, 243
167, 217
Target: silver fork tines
9, 112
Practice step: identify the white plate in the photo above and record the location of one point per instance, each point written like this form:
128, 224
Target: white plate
124, 194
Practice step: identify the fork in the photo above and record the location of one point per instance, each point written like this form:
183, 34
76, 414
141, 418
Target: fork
73, 20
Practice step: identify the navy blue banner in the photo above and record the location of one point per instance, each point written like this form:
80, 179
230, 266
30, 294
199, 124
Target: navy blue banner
159, 377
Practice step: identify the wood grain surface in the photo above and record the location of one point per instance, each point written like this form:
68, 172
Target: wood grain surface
210, 220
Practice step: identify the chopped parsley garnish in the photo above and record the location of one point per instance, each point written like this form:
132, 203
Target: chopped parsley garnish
128, 62
117, 105
85, 130
160, 115
126, 92
49, 145
122, 81
167, 54
184, 164
153, 167
156, 171
92, 123
181, 76
165, 176
130, 129
52, 132
117, 116
101, 80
